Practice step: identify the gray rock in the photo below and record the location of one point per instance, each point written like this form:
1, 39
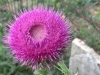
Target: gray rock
84, 58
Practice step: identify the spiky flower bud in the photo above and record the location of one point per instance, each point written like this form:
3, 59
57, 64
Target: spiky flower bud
38, 37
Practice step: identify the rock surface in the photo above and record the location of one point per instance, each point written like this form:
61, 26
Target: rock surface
83, 58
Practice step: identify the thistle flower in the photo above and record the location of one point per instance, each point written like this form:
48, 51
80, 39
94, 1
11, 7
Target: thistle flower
38, 37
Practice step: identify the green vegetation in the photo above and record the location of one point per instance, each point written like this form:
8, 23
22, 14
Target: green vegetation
82, 29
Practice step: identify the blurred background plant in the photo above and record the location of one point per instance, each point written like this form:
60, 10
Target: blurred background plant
85, 20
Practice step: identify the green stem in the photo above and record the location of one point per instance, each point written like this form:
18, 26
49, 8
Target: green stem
64, 68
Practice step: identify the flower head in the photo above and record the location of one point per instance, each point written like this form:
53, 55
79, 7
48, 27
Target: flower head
38, 37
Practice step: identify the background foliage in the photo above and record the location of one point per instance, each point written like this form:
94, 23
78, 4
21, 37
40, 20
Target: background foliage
82, 29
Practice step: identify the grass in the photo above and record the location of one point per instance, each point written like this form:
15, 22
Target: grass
87, 33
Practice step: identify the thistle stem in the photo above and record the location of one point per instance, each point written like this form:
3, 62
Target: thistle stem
63, 68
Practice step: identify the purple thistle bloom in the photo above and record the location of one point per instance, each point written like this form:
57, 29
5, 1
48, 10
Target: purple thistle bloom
38, 37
